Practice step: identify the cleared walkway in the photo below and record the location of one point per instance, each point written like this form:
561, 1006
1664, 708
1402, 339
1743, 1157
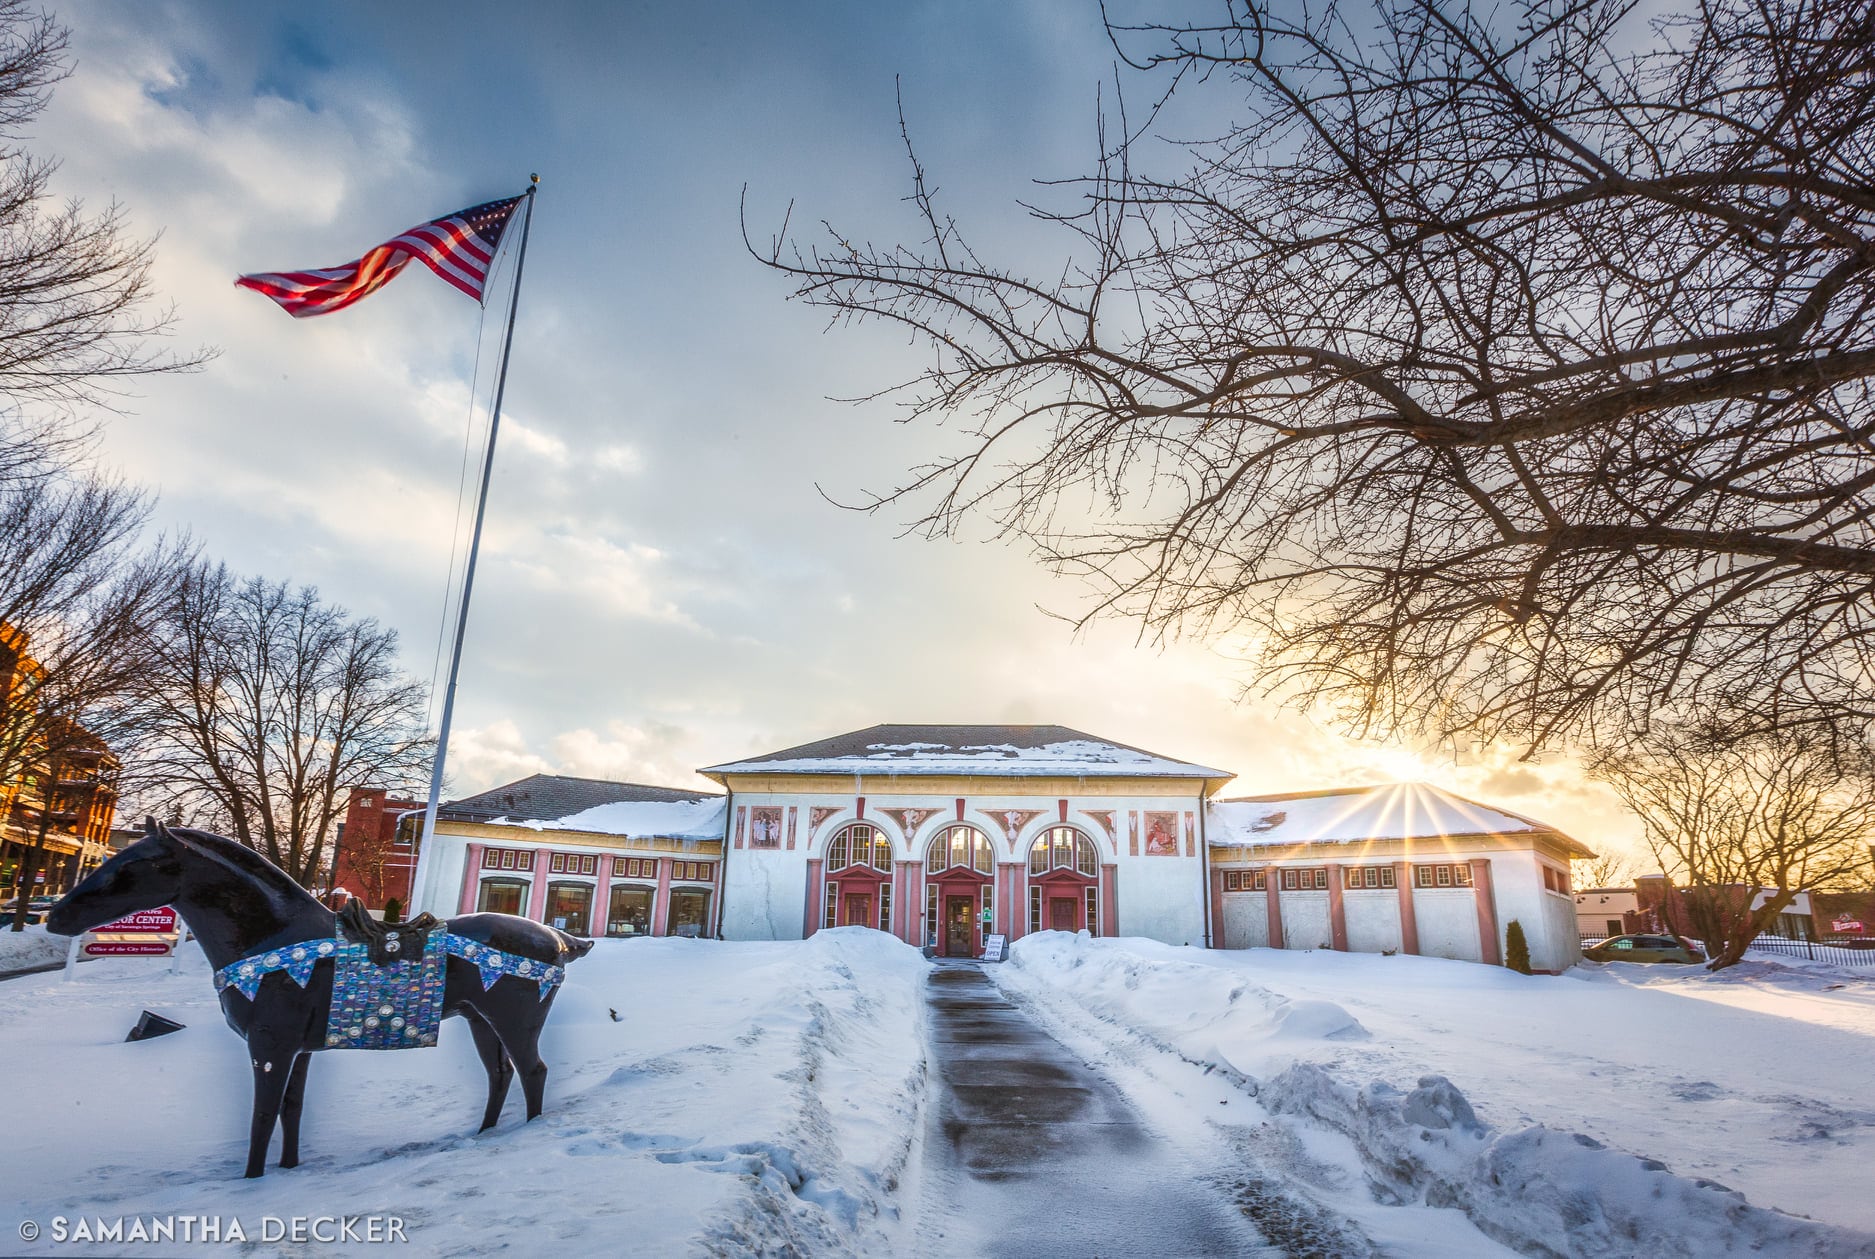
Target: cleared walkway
1036, 1155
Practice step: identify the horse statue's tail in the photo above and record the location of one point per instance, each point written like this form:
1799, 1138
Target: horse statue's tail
572, 944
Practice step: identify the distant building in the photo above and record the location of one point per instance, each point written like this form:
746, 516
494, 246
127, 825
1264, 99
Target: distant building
1608, 911
588, 856
1662, 907
68, 793
375, 855
942, 835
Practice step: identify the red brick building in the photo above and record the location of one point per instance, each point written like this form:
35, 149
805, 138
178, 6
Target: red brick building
376, 852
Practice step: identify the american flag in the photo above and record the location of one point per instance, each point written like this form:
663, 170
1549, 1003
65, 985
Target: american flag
459, 247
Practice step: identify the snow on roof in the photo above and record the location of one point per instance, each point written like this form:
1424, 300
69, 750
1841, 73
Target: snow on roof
1006, 751
1390, 811
643, 819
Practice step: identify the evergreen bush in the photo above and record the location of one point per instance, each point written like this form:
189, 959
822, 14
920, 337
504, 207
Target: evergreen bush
1516, 949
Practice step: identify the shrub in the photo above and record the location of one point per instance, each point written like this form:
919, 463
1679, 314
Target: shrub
1516, 949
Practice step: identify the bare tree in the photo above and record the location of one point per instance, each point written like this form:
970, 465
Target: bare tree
1503, 371
1732, 815
75, 317
78, 610
270, 706
1611, 867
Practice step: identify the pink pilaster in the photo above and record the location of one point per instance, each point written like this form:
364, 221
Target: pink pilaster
812, 922
1337, 909
601, 897
914, 894
1016, 903
1110, 900
537, 903
1409, 920
1217, 909
1486, 897
1275, 894
661, 901
471, 879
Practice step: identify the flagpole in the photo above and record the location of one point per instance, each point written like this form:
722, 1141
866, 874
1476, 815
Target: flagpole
419, 889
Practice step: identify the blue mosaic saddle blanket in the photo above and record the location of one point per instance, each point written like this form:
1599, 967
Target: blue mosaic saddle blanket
399, 1006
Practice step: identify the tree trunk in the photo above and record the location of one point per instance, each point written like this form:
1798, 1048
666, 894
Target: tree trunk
1746, 927
30, 864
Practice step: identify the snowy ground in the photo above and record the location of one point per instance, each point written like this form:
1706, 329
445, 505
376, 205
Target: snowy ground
752, 1098
1756, 1079
771, 1099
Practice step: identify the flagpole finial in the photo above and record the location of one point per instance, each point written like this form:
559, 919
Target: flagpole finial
534, 179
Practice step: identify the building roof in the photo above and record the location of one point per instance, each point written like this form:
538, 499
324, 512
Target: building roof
1002, 751
559, 802
1355, 814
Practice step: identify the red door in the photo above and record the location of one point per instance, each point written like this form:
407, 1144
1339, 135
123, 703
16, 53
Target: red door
858, 909
960, 926
1064, 913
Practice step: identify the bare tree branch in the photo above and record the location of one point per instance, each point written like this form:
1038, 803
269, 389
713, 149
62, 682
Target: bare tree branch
1504, 373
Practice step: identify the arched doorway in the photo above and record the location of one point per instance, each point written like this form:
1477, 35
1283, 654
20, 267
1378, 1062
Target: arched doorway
859, 879
1064, 882
959, 890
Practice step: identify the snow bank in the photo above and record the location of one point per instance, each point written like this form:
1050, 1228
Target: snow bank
1258, 1017
746, 1098
1207, 1016
1547, 1193
33, 946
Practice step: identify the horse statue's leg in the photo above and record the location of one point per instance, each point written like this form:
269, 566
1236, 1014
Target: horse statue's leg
495, 1061
289, 1112
520, 1036
272, 1060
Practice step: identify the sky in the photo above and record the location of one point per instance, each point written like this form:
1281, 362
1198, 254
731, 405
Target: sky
667, 580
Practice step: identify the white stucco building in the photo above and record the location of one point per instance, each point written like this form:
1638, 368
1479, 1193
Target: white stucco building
945, 834
1400, 868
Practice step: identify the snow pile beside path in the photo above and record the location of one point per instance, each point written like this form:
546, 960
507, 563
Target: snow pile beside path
1205, 1015
1539, 1188
704, 1097
34, 946
1540, 1191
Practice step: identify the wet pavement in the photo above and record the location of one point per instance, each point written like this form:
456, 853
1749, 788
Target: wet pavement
1035, 1155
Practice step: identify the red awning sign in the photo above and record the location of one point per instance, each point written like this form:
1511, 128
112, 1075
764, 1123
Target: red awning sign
1846, 925
161, 921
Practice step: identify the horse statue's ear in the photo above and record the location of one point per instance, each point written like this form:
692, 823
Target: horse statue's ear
151, 827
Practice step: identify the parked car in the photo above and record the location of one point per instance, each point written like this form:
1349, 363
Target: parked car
35, 910
1644, 948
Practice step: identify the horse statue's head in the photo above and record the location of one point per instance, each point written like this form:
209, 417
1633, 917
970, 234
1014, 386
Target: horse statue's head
143, 876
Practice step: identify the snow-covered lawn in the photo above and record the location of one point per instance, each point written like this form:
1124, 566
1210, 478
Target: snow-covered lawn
33, 946
769, 1099
751, 1098
1757, 1078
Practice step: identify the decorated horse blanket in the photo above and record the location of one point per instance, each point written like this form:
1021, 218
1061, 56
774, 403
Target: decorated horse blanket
394, 1006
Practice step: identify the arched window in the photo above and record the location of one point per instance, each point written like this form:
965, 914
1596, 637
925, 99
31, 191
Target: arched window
1064, 848
956, 846
859, 844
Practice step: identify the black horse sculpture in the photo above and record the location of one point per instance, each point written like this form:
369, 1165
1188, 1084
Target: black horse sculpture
242, 906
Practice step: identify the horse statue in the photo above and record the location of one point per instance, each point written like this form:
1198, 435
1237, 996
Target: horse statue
295, 978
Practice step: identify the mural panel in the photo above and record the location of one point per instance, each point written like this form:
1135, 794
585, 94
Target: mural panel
765, 826
1161, 834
